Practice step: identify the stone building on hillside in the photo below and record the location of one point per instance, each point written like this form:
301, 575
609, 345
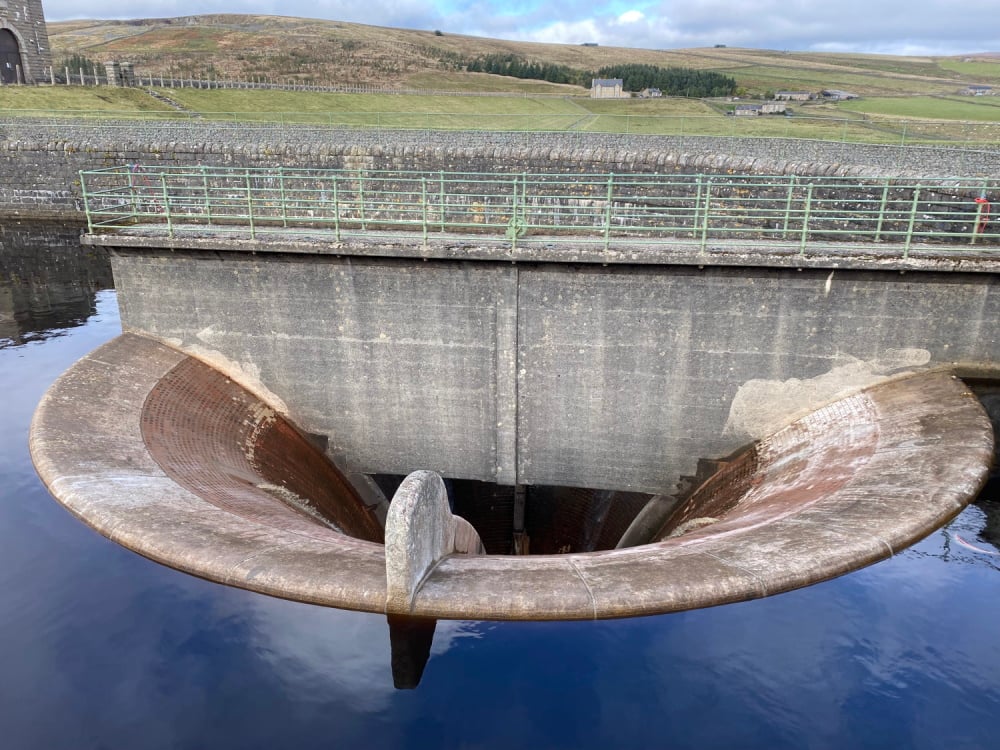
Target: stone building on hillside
25, 56
607, 88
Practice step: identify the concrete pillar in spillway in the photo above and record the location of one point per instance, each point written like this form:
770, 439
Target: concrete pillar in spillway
420, 531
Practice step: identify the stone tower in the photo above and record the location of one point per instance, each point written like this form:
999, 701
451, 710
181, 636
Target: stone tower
24, 42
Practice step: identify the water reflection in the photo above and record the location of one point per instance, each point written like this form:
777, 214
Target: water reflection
104, 649
48, 281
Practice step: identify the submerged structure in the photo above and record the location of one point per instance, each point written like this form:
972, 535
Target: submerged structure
745, 391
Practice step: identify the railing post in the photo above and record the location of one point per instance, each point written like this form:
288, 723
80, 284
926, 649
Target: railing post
708, 206
86, 201
423, 204
204, 186
441, 200
913, 221
361, 199
792, 184
166, 204
805, 219
131, 191
697, 207
514, 215
253, 229
281, 191
881, 211
607, 211
977, 224
336, 209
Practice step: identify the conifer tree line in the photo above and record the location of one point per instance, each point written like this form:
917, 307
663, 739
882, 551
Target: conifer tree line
518, 67
671, 81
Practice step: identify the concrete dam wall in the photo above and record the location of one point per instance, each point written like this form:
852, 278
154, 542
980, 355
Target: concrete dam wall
609, 376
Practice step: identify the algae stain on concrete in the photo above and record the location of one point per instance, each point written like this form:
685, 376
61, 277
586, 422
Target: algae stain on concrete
762, 407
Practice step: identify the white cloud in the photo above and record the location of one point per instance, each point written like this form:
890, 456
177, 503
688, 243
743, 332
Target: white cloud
631, 16
898, 26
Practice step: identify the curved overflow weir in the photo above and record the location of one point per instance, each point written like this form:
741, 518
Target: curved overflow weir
168, 457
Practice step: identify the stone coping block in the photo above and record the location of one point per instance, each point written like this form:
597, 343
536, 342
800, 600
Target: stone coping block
852, 483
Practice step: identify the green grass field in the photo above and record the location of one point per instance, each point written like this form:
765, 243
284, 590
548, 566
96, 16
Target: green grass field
983, 71
980, 109
66, 100
958, 120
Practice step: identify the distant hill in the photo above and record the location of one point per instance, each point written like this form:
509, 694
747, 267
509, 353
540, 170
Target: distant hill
338, 53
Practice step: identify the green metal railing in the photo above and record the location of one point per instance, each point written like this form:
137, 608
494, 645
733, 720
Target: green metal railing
693, 210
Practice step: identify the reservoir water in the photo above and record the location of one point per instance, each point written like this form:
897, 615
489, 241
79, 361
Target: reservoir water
101, 648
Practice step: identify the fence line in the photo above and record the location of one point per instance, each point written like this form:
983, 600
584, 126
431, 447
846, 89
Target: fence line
954, 134
604, 209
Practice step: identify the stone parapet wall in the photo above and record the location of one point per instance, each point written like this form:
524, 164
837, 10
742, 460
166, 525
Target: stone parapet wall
40, 159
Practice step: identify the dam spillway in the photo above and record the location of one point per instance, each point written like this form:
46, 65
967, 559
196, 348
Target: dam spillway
818, 380
851, 483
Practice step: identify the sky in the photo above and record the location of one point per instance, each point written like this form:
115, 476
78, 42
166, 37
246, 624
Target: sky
914, 27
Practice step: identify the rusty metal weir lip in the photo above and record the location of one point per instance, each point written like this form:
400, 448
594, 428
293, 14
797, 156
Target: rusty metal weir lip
930, 449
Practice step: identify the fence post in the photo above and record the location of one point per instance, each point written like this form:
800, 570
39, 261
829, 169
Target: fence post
166, 204
913, 221
253, 229
805, 219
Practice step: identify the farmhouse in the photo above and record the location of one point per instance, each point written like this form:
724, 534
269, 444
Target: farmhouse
607, 88
748, 110
650, 93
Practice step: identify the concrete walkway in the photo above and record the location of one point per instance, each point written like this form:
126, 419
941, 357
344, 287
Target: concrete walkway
850, 484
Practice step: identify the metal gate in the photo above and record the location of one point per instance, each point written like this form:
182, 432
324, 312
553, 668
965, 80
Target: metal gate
10, 58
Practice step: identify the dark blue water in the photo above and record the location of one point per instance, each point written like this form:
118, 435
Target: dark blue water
100, 648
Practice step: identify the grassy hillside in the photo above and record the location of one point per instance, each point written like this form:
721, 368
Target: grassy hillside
333, 53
